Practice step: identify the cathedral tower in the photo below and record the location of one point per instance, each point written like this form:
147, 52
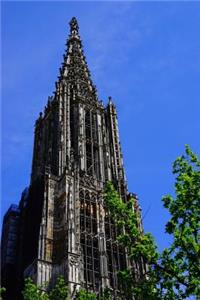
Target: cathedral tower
64, 228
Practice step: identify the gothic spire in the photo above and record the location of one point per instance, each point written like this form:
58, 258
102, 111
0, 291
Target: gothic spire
74, 37
74, 69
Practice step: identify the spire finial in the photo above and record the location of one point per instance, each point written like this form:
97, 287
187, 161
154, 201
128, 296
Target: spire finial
74, 26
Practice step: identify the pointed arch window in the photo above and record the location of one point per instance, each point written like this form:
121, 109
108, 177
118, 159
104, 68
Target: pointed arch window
89, 240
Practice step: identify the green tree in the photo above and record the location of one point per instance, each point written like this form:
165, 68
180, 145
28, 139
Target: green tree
139, 246
175, 273
2, 291
32, 292
60, 290
107, 294
85, 295
180, 263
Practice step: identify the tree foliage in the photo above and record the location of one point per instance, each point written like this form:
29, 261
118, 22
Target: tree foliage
2, 291
180, 263
139, 246
85, 295
107, 294
60, 290
174, 273
32, 292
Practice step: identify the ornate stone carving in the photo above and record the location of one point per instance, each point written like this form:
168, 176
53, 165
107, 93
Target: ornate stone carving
74, 260
87, 180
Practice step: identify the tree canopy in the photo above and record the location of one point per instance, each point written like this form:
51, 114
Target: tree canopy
60, 290
32, 292
174, 273
85, 295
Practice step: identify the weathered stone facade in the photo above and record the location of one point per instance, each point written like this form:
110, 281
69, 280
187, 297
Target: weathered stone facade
65, 228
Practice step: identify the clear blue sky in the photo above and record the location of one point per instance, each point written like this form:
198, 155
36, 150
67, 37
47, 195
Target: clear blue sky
146, 55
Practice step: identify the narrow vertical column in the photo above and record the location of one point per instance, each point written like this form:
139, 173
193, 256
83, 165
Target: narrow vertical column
42, 233
116, 154
64, 124
37, 150
60, 130
81, 142
73, 254
71, 228
84, 142
114, 141
100, 142
102, 246
68, 143
45, 246
50, 218
106, 150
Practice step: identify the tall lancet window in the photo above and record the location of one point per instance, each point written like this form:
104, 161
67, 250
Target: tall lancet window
95, 148
92, 148
89, 239
89, 164
71, 118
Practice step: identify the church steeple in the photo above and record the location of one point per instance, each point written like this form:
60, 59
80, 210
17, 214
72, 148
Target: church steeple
65, 228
